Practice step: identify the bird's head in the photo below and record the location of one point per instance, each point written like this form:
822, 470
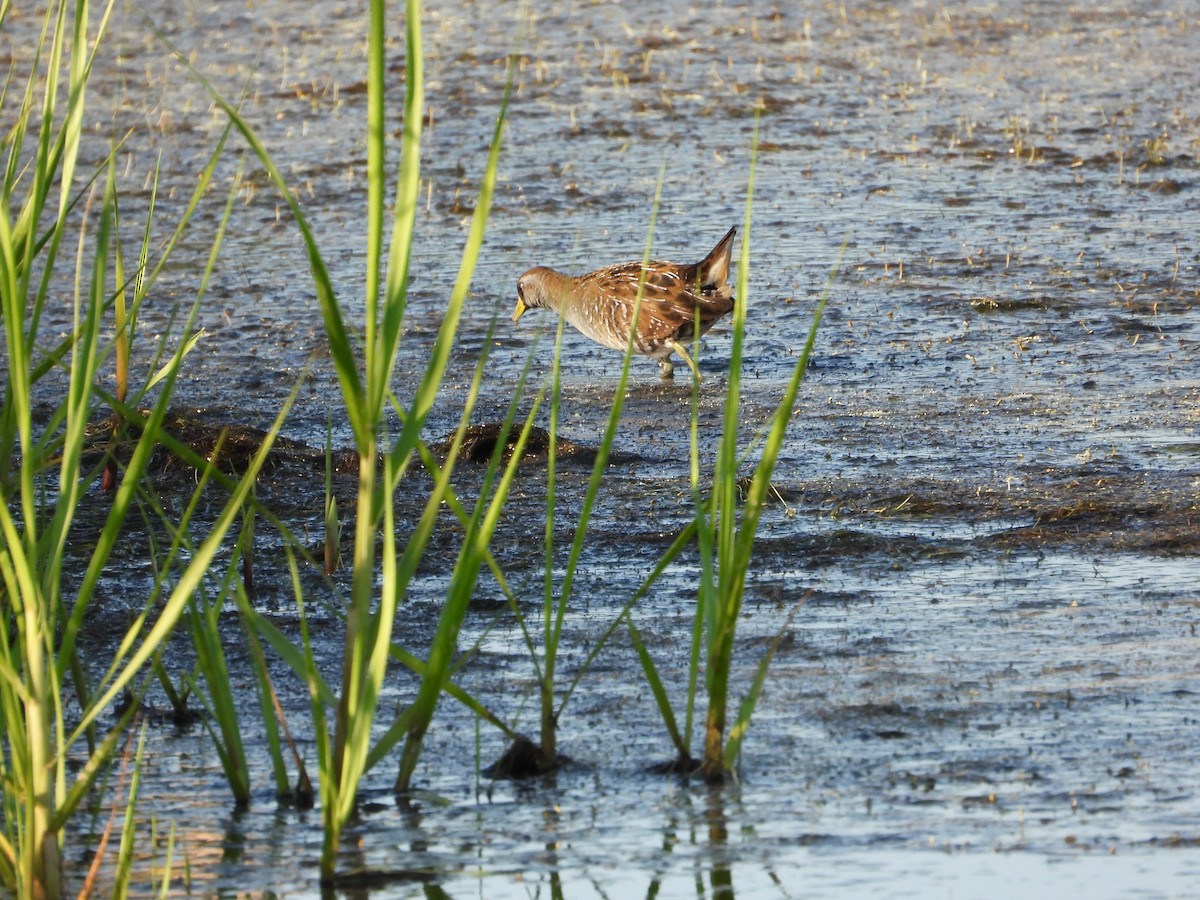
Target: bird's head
539, 288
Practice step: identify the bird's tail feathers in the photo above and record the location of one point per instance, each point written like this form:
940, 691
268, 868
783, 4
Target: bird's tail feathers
714, 268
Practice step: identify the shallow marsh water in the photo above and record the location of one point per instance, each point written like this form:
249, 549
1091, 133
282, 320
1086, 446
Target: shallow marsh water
991, 485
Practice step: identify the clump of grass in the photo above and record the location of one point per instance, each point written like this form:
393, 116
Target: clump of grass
346, 753
523, 756
43, 473
725, 528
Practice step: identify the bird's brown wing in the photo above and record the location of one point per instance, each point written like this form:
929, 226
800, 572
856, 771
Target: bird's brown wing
615, 290
671, 298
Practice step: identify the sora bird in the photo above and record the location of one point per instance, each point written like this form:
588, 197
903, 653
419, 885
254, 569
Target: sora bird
675, 299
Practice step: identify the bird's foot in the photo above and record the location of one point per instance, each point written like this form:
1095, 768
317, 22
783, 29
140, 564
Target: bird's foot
679, 348
666, 370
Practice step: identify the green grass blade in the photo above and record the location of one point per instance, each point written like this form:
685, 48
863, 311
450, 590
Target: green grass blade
761, 482
733, 743
553, 635
340, 345
190, 579
721, 607
125, 852
407, 189
463, 580
656, 688
222, 720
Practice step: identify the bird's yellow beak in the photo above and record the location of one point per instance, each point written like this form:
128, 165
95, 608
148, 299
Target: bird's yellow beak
520, 310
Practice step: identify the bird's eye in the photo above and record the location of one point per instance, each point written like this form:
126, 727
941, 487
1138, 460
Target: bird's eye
521, 289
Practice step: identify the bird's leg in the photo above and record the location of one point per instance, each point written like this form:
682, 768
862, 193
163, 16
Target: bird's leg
679, 348
666, 369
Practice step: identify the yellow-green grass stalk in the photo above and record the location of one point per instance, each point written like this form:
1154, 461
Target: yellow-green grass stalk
737, 561
405, 568
122, 671
397, 572
125, 309
365, 393
727, 530
221, 720
445, 491
273, 716
164, 886
367, 629
30, 179
353, 749
553, 604
39, 499
125, 852
31, 560
720, 594
333, 523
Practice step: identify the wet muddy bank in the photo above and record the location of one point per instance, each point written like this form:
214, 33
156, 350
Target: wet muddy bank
1091, 505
